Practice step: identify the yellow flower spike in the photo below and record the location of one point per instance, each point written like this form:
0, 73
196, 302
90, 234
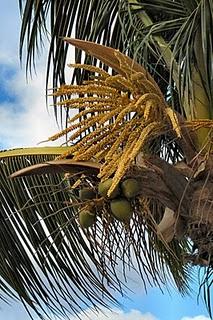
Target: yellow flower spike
84, 102
83, 126
153, 110
92, 138
131, 107
115, 120
199, 123
90, 111
108, 169
91, 89
60, 134
90, 68
139, 81
120, 83
174, 121
95, 148
145, 134
110, 115
121, 139
124, 161
146, 97
137, 141
147, 109
101, 155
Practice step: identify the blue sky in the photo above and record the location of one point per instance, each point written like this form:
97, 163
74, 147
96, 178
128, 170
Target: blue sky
23, 116
25, 122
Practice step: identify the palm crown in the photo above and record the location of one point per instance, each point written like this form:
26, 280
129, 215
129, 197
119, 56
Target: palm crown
150, 123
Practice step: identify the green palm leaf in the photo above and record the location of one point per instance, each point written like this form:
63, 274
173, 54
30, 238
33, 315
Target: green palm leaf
173, 43
186, 28
41, 246
173, 40
52, 265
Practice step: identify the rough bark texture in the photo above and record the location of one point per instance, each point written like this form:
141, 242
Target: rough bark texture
191, 200
162, 181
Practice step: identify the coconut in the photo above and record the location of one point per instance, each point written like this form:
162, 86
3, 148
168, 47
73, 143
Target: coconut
87, 194
130, 188
86, 218
104, 186
121, 209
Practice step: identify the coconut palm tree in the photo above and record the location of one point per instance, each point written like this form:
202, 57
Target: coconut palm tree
148, 122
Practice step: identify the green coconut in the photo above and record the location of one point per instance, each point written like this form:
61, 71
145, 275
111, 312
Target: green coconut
121, 209
130, 188
86, 218
87, 194
104, 186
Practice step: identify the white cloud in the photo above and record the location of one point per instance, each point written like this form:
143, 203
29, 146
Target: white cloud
26, 122
115, 314
200, 317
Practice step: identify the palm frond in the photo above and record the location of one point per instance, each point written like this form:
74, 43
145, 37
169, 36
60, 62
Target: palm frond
165, 36
107, 23
58, 166
167, 42
91, 20
206, 288
51, 264
186, 29
44, 256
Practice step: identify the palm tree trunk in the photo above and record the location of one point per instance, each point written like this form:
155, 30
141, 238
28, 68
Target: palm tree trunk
188, 202
196, 102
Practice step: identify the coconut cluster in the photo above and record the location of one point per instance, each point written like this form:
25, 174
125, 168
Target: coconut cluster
119, 201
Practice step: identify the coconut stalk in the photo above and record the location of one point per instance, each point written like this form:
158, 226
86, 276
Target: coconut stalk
196, 102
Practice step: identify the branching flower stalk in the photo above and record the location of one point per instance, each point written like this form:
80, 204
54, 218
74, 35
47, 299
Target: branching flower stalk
119, 115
